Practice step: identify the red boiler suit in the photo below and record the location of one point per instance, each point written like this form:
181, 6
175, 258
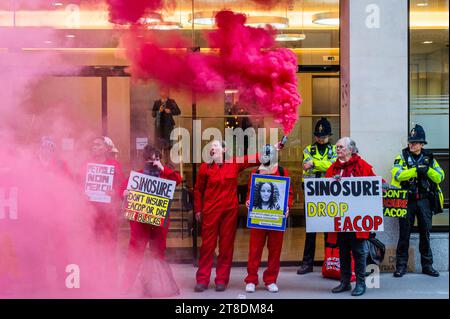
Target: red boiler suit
141, 234
274, 245
215, 196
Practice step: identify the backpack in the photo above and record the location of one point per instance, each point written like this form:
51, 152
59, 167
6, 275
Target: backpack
376, 250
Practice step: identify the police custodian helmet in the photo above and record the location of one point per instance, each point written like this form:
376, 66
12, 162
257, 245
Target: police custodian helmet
323, 128
417, 134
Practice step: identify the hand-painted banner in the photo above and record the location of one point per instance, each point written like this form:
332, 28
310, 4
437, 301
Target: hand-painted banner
268, 202
395, 203
149, 198
351, 204
99, 182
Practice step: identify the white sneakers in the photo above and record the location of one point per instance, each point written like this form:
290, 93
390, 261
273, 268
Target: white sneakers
272, 287
250, 287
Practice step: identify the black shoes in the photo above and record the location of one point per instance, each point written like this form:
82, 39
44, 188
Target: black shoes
304, 269
399, 272
341, 288
359, 290
430, 271
200, 288
220, 287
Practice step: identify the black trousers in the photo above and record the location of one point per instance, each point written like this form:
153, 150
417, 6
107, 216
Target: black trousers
421, 209
348, 245
309, 251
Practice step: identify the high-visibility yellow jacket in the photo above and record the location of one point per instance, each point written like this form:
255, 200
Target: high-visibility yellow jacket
404, 170
321, 162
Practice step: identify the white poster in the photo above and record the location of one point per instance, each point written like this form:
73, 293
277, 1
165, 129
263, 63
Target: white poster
353, 204
99, 182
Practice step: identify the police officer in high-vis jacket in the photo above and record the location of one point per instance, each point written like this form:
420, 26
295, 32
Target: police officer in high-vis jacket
317, 158
417, 171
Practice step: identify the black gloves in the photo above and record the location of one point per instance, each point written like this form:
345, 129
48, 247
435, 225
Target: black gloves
422, 170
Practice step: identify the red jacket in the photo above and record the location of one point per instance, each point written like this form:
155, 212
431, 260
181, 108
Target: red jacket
277, 173
216, 187
355, 167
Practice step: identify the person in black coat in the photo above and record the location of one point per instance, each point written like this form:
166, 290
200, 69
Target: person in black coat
164, 110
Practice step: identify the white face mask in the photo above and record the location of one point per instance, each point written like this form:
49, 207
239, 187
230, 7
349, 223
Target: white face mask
269, 169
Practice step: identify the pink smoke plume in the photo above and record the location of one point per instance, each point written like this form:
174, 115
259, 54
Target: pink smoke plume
264, 74
126, 11
45, 222
48, 229
151, 58
247, 59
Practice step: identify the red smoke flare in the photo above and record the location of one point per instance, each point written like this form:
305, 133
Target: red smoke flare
247, 59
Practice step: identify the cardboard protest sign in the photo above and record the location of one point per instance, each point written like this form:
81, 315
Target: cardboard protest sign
351, 204
268, 202
148, 199
395, 203
99, 182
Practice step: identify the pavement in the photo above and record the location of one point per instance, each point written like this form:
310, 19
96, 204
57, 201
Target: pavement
314, 286
291, 286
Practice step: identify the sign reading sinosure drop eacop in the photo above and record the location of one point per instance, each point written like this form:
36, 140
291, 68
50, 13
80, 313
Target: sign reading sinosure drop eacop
353, 204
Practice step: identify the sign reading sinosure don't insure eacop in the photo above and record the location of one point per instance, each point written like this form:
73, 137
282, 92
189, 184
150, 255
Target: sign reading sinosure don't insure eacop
148, 199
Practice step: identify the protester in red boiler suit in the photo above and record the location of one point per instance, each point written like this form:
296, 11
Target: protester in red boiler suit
106, 218
350, 164
140, 233
49, 160
258, 236
216, 207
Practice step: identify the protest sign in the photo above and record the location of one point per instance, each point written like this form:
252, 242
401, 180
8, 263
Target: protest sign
99, 182
395, 203
351, 204
141, 142
148, 200
268, 202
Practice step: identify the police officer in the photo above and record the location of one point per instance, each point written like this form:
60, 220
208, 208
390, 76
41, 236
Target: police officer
317, 158
417, 171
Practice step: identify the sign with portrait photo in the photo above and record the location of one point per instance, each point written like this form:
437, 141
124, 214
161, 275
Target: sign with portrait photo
268, 202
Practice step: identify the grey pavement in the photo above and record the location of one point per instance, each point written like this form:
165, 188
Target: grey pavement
313, 286
291, 285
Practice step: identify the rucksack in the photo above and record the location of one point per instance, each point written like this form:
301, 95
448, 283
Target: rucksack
376, 250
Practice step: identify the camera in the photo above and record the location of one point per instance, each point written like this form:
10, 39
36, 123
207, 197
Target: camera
150, 169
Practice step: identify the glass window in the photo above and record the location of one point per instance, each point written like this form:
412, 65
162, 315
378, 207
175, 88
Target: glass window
428, 60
